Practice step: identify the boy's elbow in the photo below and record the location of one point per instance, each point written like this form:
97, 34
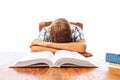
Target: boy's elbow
82, 49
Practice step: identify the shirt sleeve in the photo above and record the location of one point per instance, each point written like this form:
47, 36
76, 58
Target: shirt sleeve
78, 34
43, 34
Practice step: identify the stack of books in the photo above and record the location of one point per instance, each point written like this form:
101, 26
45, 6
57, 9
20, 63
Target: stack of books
113, 59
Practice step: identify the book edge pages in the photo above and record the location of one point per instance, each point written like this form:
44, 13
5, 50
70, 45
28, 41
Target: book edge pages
27, 63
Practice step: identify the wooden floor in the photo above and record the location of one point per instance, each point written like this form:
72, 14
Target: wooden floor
7, 73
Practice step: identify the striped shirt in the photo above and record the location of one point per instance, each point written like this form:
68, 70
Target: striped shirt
76, 35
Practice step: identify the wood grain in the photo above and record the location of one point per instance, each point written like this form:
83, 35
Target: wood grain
7, 73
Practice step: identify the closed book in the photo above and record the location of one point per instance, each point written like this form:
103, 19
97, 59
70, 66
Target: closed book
113, 58
114, 65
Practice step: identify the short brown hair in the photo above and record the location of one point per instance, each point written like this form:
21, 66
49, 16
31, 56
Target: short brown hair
60, 31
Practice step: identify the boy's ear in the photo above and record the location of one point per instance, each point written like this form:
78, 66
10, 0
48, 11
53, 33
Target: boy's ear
72, 30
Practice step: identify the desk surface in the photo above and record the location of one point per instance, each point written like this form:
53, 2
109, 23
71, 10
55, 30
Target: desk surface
7, 73
101, 73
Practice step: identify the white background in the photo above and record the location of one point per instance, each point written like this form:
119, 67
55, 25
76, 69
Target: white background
19, 22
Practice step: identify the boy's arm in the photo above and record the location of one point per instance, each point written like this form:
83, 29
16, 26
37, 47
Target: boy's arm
78, 46
41, 48
35, 47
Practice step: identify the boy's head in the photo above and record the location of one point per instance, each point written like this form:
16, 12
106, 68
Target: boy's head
60, 31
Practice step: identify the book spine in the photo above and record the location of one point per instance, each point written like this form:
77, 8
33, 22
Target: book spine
113, 58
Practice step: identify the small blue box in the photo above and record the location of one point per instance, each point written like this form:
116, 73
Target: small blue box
113, 58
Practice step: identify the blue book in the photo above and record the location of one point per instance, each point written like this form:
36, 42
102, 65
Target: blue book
113, 58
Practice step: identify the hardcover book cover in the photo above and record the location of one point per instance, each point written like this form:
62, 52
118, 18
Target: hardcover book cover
113, 58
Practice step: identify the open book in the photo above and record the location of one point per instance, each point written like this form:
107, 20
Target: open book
61, 58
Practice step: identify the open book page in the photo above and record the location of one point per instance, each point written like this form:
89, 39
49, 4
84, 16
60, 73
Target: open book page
43, 58
69, 58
